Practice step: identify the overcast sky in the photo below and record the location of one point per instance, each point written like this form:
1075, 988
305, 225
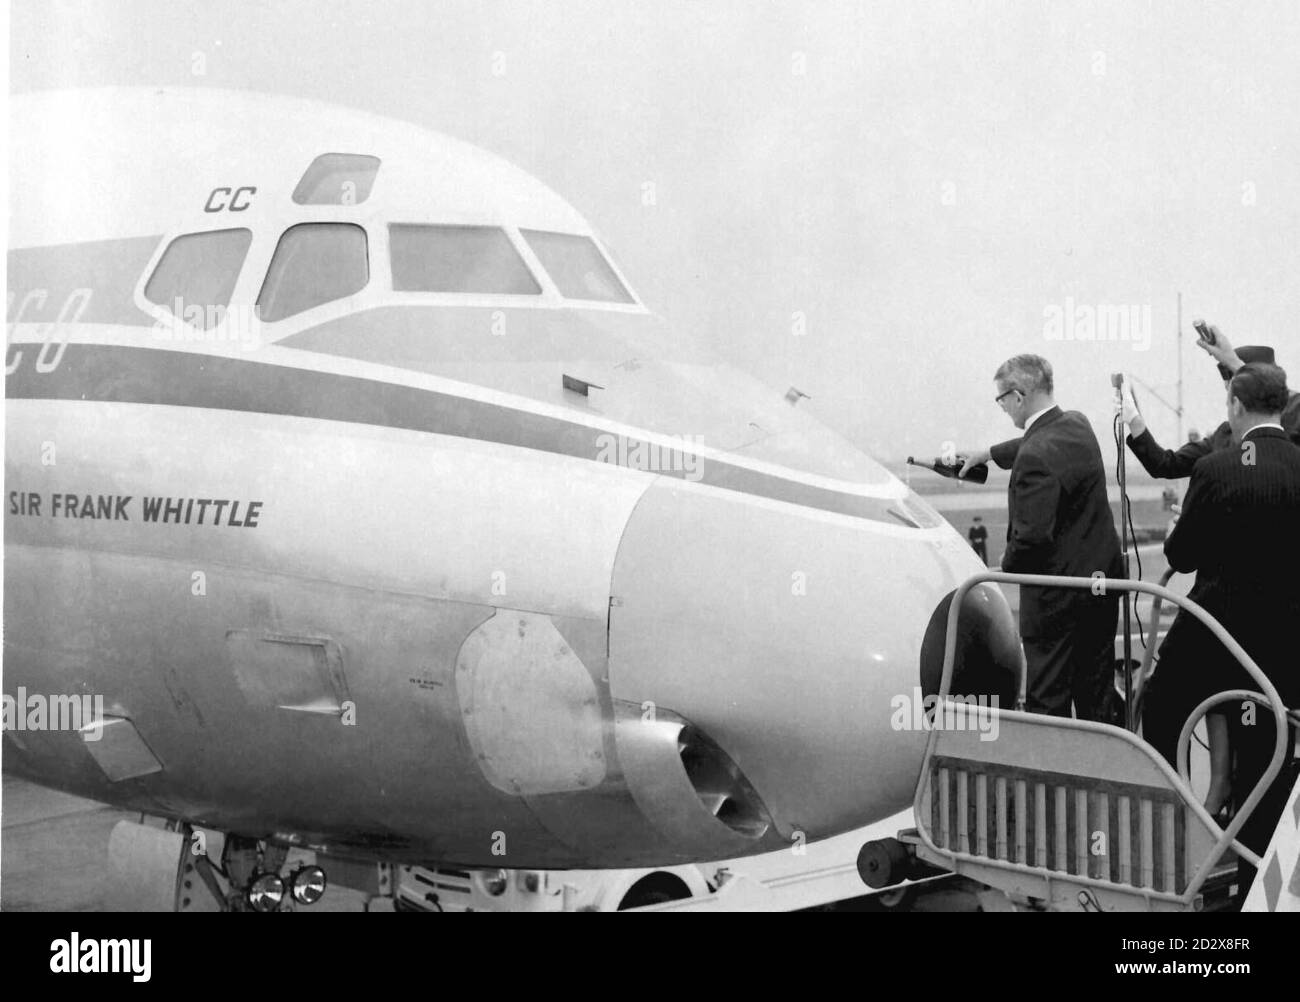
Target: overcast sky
923, 183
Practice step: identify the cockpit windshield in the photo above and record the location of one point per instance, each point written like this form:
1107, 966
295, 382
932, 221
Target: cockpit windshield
465, 259
196, 274
314, 263
577, 267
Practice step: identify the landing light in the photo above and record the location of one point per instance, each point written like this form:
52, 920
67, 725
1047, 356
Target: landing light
307, 884
266, 892
496, 882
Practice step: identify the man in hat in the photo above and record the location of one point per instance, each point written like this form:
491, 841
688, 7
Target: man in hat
1170, 464
1240, 533
1166, 701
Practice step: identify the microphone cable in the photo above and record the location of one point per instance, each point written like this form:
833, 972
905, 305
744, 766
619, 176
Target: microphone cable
1126, 511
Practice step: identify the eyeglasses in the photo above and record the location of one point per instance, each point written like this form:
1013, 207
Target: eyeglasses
998, 398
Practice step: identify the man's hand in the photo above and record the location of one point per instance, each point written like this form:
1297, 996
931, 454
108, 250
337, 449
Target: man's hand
973, 458
1128, 412
1221, 351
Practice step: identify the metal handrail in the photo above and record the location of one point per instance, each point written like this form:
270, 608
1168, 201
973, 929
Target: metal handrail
1183, 756
1227, 836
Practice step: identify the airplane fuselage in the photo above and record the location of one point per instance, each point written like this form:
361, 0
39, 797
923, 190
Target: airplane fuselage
460, 577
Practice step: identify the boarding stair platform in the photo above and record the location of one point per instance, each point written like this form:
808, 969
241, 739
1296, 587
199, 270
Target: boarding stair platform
1064, 814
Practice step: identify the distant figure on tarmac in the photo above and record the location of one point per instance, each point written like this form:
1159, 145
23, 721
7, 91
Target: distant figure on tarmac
978, 535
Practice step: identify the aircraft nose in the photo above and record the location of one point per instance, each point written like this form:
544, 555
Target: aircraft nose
787, 640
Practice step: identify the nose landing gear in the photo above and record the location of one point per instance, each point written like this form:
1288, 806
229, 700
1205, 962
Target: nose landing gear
252, 875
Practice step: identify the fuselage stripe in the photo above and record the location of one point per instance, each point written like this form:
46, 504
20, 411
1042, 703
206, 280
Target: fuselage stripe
125, 374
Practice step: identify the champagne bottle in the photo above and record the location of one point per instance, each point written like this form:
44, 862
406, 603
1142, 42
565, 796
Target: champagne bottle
978, 474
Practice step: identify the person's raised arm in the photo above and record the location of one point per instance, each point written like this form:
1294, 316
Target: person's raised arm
1129, 413
1221, 351
1167, 464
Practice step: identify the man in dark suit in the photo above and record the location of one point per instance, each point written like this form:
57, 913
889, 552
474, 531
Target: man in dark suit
1165, 705
1060, 523
1240, 532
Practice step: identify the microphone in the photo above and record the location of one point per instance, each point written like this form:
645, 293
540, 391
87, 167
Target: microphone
1117, 381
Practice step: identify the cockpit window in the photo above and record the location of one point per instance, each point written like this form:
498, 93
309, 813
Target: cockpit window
196, 275
337, 179
314, 263
577, 267
457, 259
